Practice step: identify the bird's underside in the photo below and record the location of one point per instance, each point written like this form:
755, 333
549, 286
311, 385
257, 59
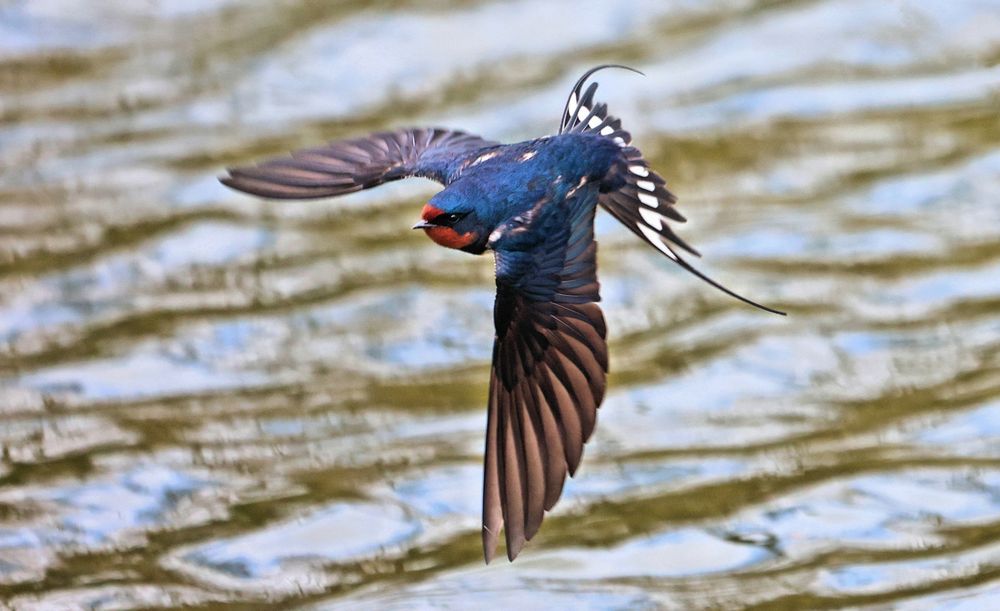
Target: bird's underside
550, 355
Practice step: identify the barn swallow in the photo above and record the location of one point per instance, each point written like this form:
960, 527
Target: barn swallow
532, 203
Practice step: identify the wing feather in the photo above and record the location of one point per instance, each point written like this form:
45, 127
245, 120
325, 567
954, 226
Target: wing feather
549, 366
346, 166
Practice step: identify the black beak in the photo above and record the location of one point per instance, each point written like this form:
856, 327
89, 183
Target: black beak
422, 225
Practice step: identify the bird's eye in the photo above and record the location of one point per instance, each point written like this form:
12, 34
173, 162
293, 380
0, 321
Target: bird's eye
447, 219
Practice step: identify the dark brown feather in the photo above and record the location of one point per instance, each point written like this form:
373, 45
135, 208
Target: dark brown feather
548, 379
346, 166
492, 513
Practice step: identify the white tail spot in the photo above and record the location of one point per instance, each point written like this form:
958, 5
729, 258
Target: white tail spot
620, 141
582, 112
594, 121
571, 109
607, 130
653, 219
649, 200
646, 184
639, 170
655, 240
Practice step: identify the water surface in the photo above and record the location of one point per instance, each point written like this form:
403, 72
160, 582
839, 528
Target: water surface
210, 400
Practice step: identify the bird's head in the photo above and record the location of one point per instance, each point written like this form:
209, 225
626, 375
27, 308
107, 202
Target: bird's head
455, 226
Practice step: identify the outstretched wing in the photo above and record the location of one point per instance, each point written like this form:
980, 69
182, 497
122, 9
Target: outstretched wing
346, 166
549, 364
637, 196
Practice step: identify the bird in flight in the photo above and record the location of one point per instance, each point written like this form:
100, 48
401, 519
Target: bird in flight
532, 203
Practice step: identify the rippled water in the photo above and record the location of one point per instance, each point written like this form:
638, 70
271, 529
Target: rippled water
208, 399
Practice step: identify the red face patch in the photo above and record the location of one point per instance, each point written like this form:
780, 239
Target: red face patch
429, 213
445, 236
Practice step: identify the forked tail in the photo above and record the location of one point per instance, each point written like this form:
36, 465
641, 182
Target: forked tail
642, 203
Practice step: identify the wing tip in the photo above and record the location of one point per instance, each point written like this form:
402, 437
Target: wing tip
489, 544
232, 180
490, 540
514, 548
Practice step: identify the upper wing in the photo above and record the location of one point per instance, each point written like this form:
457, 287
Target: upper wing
346, 166
549, 365
634, 194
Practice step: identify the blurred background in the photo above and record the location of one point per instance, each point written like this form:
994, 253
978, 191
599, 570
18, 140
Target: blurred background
211, 400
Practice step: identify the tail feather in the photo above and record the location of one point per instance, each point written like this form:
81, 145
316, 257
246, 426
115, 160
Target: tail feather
639, 198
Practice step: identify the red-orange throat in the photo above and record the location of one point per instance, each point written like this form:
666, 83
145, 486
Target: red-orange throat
446, 236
